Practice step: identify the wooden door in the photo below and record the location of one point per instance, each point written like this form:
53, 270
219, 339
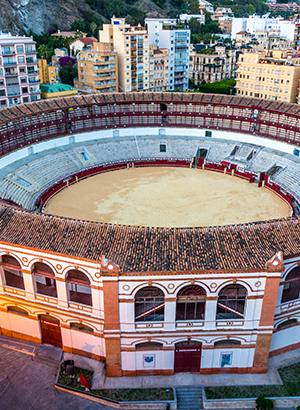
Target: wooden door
187, 357
51, 333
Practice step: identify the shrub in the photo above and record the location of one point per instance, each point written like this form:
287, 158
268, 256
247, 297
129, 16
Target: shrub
264, 404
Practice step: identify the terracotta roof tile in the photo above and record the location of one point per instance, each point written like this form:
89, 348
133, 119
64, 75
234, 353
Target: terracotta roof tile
244, 247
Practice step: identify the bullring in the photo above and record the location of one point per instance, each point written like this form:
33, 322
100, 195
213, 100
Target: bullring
150, 300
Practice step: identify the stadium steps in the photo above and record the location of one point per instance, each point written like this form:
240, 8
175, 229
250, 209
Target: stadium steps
189, 398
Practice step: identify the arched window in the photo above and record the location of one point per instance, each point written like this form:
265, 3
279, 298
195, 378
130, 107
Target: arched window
149, 304
291, 286
227, 343
12, 272
190, 303
287, 323
79, 288
149, 346
17, 310
231, 302
44, 279
81, 327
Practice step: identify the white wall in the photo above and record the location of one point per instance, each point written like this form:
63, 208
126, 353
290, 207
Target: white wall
129, 132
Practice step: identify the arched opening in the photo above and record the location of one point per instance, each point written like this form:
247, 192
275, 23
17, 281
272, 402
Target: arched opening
81, 327
12, 272
231, 302
50, 330
44, 280
187, 356
190, 303
149, 304
227, 343
149, 346
291, 286
17, 310
287, 323
79, 288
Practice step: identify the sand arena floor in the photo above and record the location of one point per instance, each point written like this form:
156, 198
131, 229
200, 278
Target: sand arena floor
167, 197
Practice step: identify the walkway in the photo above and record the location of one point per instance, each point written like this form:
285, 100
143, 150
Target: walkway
189, 379
28, 384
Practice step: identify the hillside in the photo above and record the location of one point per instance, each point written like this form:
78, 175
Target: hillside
20, 16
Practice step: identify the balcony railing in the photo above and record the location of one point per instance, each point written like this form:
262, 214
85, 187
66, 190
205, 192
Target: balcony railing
7, 53
11, 74
10, 63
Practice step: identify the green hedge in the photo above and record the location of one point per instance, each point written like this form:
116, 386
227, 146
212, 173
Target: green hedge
290, 377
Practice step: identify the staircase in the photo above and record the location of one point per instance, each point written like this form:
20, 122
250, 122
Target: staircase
189, 398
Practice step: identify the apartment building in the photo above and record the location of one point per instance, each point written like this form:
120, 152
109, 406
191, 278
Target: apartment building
214, 63
97, 70
205, 5
132, 46
48, 73
19, 82
166, 33
159, 69
266, 77
225, 24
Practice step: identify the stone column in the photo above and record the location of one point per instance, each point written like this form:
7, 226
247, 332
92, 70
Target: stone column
210, 312
29, 284
62, 295
2, 279
170, 313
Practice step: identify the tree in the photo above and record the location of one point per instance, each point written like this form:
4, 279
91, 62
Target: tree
194, 7
65, 61
45, 51
93, 26
68, 73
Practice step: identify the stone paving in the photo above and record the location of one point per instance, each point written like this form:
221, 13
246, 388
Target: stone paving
29, 385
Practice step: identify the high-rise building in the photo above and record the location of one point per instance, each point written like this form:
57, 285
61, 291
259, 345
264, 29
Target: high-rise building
166, 33
132, 46
97, 70
19, 76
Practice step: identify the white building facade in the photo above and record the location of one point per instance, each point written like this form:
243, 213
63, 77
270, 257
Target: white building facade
263, 23
165, 33
19, 76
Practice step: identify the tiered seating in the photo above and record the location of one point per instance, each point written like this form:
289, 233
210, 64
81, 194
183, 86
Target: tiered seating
265, 159
219, 150
23, 185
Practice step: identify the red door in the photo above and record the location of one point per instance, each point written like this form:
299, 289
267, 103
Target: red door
187, 357
51, 333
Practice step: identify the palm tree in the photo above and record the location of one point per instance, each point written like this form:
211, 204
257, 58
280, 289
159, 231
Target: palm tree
93, 27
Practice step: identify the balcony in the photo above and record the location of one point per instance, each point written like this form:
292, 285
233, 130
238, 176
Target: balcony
11, 63
12, 84
14, 94
33, 81
30, 61
34, 91
11, 74
30, 51
32, 72
8, 53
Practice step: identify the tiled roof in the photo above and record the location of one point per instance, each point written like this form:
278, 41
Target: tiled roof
245, 247
23, 110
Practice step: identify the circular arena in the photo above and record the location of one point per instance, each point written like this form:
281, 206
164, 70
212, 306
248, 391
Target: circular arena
189, 294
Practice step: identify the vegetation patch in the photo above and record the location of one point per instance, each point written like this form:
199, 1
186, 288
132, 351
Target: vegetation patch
71, 380
290, 377
219, 87
136, 394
